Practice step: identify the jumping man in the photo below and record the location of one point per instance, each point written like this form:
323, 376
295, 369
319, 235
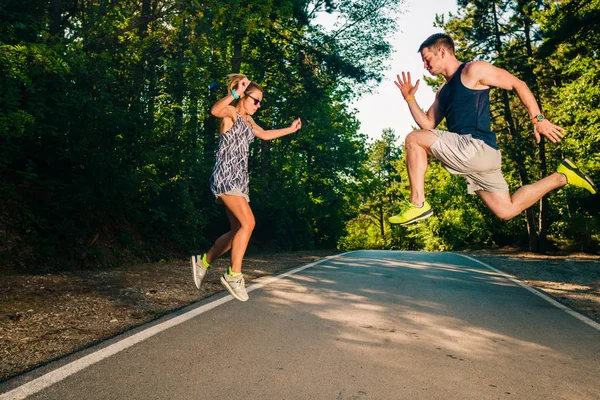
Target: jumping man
469, 148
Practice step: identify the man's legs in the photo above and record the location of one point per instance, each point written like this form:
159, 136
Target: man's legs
505, 206
417, 148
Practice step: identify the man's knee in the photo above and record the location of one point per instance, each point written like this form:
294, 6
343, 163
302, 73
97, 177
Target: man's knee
506, 216
499, 203
422, 138
415, 135
504, 213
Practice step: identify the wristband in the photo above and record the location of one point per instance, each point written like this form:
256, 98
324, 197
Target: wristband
234, 94
409, 98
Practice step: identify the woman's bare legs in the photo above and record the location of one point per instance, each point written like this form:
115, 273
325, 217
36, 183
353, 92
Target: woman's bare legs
223, 243
242, 218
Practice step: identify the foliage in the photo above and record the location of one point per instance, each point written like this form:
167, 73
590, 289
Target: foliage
552, 46
516, 35
374, 194
107, 144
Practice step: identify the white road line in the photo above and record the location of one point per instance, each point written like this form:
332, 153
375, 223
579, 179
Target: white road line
549, 299
71, 368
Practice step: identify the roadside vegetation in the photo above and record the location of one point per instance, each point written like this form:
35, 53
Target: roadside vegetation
106, 143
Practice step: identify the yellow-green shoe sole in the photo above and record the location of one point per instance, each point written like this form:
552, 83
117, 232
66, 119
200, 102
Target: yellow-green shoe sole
567, 167
425, 215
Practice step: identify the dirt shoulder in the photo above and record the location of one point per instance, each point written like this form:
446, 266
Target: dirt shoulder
43, 317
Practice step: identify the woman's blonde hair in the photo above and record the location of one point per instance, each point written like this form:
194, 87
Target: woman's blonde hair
234, 80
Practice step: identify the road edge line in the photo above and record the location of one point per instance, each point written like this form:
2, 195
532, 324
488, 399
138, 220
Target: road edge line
537, 292
42, 382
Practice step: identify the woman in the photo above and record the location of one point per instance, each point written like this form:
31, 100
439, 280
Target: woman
229, 180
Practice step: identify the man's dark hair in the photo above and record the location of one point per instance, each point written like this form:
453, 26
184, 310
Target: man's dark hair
437, 40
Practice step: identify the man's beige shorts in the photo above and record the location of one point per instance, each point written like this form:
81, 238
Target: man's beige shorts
480, 164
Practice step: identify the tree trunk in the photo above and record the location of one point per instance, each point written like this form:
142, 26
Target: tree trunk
382, 224
209, 144
55, 17
523, 175
236, 61
265, 149
513, 131
180, 76
543, 222
544, 204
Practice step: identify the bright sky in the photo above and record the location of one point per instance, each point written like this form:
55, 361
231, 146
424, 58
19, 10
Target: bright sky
386, 107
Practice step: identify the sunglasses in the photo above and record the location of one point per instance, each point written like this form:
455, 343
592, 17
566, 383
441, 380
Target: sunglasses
256, 101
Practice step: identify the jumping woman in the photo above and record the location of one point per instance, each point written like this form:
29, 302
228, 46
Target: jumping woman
229, 180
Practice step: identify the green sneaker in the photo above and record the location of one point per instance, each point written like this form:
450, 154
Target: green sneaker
411, 213
199, 268
575, 177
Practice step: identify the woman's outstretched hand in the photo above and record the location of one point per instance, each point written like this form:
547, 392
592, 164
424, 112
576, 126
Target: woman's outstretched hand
296, 125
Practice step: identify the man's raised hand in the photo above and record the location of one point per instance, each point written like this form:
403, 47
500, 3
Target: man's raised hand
405, 85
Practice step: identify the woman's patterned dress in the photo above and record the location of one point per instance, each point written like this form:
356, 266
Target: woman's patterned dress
230, 174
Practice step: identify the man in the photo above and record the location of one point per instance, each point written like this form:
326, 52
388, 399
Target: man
469, 148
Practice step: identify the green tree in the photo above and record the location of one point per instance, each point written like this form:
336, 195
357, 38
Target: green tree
376, 191
107, 137
515, 46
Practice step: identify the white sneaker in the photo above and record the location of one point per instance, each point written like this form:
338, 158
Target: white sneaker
198, 269
236, 286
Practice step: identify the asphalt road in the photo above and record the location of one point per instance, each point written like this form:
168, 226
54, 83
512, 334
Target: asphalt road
363, 325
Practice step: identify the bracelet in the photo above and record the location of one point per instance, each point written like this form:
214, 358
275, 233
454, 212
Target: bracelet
409, 98
234, 94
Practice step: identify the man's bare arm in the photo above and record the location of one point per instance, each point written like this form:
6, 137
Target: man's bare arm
481, 74
428, 120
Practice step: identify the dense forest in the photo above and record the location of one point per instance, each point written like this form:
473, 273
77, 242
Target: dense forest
107, 144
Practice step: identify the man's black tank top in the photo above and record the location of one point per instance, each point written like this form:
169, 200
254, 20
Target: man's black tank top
467, 111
